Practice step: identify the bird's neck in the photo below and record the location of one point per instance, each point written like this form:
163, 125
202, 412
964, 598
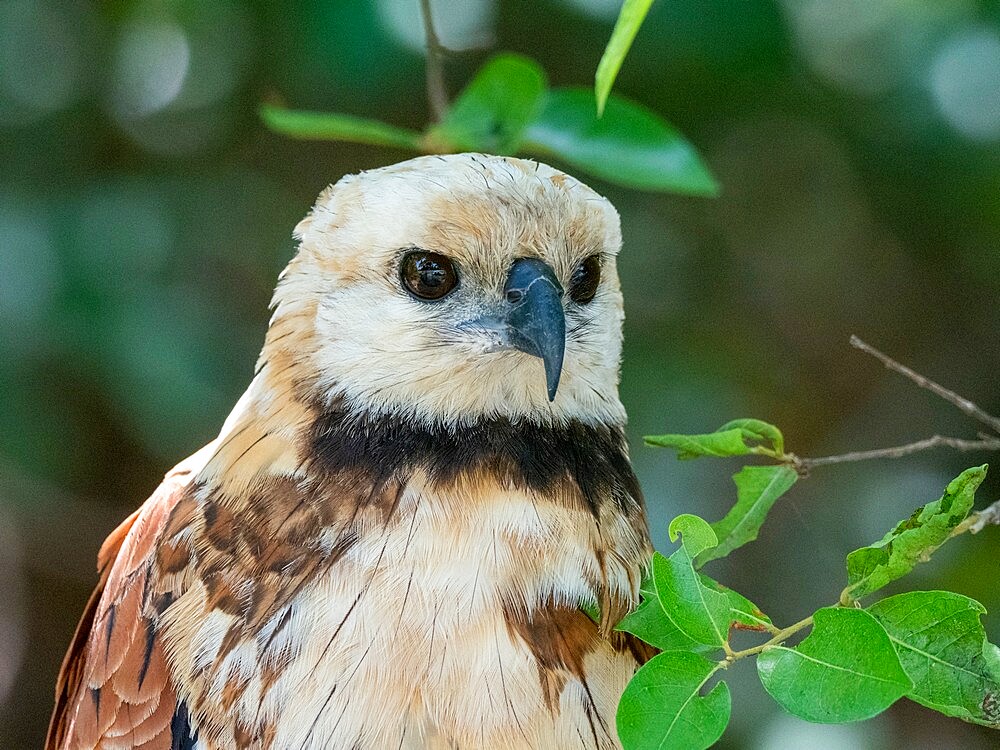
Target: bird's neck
492, 475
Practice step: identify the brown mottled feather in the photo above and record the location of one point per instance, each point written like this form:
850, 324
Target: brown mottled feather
114, 689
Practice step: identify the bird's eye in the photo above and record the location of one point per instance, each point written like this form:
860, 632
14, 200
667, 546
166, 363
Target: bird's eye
428, 276
583, 283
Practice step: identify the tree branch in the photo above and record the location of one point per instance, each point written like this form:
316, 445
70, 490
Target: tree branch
986, 443
988, 516
437, 93
950, 396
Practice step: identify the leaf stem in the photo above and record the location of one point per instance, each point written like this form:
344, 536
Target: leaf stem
780, 637
437, 93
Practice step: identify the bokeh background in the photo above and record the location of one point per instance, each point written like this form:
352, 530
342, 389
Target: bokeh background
145, 213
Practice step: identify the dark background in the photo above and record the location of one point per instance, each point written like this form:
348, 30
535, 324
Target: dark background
145, 213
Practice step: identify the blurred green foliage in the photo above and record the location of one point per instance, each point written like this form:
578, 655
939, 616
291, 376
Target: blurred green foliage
507, 108
145, 213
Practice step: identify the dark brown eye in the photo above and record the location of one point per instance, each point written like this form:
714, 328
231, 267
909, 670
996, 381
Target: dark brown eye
583, 283
427, 276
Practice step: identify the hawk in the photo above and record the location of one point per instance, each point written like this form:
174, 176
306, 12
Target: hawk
398, 533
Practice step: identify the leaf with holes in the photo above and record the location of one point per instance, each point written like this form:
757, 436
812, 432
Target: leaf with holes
759, 431
870, 568
942, 646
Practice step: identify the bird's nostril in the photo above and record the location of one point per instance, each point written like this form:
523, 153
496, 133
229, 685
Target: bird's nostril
515, 295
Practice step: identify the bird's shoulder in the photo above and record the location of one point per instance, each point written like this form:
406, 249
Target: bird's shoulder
114, 680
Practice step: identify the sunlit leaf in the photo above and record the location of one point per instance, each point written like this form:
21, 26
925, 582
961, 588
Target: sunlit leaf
630, 145
757, 488
870, 568
701, 613
649, 623
724, 443
492, 112
759, 431
942, 646
846, 670
652, 624
695, 534
630, 18
663, 708
329, 126
736, 438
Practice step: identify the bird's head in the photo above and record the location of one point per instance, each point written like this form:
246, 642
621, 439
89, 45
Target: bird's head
451, 288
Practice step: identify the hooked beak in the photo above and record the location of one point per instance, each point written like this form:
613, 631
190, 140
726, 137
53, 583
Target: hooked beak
536, 323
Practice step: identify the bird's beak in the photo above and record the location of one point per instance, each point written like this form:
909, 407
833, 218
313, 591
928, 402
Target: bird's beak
536, 323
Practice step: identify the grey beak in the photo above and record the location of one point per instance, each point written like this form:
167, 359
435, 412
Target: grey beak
536, 322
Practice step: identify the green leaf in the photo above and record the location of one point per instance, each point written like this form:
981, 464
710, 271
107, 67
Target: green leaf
846, 670
724, 443
870, 568
942, 646
494, 109
652, 624
758, 430
736, 438
662, 708
630, 145
327, 126
757, 489
701, 613
630, 18
695, 533
649, 622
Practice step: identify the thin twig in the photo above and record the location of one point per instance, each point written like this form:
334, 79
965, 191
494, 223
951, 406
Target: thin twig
987, 443
437, 93
976, 522
950, 396
778, 638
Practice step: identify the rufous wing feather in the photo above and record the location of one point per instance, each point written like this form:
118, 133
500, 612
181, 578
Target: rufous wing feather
114, 690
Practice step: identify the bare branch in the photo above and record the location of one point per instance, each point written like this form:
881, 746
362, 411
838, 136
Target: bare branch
988, 516
437, 93
987, 443
950, 396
